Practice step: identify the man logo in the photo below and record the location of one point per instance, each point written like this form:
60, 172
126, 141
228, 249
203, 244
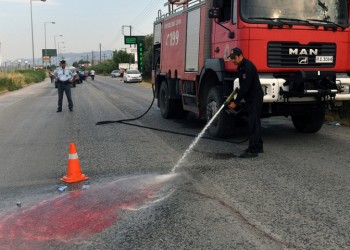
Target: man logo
303, 52
303, 60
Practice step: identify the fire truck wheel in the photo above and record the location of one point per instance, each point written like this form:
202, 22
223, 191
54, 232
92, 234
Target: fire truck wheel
310, 123
222, 125
167, 106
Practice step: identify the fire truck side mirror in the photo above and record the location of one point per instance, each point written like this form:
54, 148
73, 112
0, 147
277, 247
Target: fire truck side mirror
214, 13
218, 3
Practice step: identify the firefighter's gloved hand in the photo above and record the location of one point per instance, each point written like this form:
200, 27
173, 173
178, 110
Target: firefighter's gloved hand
232, 105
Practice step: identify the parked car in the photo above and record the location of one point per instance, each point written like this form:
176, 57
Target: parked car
76, 79
115, 73
132, 75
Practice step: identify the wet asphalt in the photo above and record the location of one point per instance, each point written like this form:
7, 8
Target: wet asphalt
293, 196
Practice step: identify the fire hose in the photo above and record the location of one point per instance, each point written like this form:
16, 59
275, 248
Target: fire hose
126, 121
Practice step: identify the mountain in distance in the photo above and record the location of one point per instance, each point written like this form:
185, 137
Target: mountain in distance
72, 57
94, 57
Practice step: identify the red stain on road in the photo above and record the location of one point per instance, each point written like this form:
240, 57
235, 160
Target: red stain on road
77, 215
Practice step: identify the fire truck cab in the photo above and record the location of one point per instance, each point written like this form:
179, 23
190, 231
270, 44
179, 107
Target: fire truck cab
300, 49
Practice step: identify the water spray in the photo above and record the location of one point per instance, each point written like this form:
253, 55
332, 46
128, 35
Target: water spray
189, 149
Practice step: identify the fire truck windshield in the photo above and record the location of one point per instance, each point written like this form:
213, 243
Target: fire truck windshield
324, 11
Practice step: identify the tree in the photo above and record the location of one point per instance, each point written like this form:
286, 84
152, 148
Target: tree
148, 42
122, 56
76, 64
147, 56
104, 68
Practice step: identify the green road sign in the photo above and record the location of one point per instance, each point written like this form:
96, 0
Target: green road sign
130, 39
49, 52
133, 39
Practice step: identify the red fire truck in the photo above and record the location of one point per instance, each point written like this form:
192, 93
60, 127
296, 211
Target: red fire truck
300, 48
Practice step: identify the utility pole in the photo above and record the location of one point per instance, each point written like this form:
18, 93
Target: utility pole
100, 53
129, 30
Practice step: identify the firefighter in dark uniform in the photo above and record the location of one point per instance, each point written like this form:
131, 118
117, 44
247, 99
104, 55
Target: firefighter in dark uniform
64, 77
251, 91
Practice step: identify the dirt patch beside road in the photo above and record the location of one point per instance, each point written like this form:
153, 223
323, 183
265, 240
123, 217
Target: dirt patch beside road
147, 85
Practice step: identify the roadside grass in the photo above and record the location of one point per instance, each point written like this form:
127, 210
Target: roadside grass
13, 80
146, 83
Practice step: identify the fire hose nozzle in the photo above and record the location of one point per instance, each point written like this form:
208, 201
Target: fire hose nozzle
229, 98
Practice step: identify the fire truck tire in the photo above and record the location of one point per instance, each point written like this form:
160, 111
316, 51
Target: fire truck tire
310, 123
223, 124
166, 105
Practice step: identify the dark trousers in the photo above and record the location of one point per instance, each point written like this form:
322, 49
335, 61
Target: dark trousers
254, 114
64, 87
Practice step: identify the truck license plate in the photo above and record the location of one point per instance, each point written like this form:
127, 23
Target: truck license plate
324, 59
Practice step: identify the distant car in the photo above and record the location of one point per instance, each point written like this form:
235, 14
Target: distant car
132, 75
76, 79
115, 73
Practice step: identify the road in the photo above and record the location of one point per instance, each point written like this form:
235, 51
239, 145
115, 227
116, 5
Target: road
293, 196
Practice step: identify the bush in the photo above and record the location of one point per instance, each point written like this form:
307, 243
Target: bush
15, 80
33, 76
8, 84
104, 68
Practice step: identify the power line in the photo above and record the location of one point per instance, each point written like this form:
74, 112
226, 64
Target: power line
146, 12
138, 31
138, 19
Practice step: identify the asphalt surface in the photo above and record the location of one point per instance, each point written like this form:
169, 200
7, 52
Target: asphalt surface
293, 196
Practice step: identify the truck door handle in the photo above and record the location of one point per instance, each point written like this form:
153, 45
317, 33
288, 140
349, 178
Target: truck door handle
217, 50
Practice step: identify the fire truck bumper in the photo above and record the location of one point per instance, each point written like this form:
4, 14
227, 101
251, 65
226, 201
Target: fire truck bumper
276, 90
343, 84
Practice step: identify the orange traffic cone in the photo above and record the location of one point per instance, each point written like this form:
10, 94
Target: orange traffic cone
73, 171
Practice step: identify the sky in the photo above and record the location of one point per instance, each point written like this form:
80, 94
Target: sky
83, 24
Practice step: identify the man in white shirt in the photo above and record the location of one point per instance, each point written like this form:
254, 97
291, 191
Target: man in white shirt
64, 77
92, 74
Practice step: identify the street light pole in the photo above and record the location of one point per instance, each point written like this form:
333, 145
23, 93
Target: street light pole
58, 48
31, 22
45, 36
54, 38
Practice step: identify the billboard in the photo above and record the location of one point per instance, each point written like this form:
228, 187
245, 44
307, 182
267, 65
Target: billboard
49, 52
